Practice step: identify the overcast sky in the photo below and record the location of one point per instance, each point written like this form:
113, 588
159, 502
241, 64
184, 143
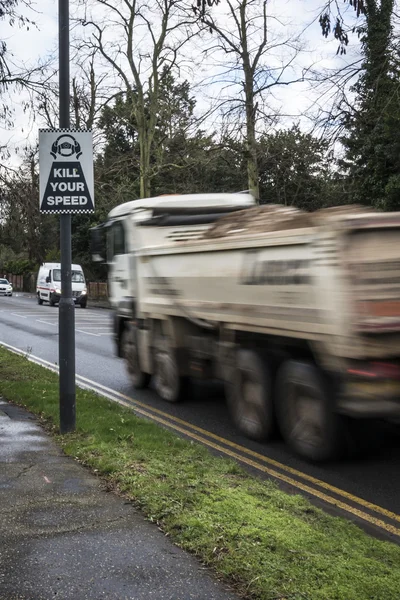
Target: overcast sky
27, 47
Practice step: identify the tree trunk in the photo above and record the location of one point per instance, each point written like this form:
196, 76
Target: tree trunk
251, 141
144, 163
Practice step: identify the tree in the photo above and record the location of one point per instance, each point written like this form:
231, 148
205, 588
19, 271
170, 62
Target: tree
24, 229
117, 165
12, 74
146, 51
243, 34
87, 96
294, 169
8, 10
372, 140
184, 158
333, 22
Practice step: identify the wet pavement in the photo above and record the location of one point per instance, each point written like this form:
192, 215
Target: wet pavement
63, 535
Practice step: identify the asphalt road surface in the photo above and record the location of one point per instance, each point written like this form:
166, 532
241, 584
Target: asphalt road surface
352, 485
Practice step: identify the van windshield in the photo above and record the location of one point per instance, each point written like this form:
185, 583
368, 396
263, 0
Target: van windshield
76, 277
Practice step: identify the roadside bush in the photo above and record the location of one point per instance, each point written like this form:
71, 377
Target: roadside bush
19, 266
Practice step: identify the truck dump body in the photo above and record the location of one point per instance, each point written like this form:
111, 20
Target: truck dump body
279, 270
259, 283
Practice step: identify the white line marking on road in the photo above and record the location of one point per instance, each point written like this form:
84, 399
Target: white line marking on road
87, 332
21, 312
93, 322
77, 318
47, 320
81, 325
94, 326
18, 315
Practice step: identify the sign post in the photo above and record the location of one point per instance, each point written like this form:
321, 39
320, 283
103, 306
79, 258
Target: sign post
66, 188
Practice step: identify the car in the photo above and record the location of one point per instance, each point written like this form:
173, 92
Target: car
6, 288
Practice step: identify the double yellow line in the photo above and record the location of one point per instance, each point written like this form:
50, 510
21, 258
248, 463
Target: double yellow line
297, 479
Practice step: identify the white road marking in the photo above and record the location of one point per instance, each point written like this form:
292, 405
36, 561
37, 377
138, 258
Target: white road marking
95, 326
78, 329
23, 312
79, 321
78, 324
87, 332
96, 322
94, 318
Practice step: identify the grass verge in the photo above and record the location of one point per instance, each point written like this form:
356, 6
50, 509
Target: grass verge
270, 545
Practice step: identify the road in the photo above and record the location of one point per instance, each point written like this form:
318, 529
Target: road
365, 489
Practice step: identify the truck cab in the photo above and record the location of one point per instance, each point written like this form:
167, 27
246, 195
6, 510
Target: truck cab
151, 222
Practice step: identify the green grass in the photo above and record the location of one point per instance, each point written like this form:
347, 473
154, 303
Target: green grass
268, 544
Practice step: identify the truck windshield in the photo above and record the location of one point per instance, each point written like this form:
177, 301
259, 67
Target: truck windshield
76, 277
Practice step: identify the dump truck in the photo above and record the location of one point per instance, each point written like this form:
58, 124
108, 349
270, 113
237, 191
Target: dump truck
298, 314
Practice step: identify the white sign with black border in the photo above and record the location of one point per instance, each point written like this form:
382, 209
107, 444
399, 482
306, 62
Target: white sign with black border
66, 180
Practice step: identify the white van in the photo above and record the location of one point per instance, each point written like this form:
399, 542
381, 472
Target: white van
48, 286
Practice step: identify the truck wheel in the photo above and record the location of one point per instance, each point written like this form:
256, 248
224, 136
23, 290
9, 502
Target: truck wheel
304, 408
130, 353
169, 385
249, 396
39, 300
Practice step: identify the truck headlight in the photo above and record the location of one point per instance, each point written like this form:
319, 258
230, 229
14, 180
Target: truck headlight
58, 291
83, 292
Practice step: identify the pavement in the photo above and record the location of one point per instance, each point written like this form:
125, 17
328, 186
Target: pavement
63, 535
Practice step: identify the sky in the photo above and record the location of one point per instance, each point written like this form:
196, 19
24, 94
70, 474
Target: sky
40, 42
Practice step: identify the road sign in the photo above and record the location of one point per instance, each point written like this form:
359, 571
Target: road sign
66, 171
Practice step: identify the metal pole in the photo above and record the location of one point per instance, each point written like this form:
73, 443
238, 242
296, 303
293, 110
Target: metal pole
66, 314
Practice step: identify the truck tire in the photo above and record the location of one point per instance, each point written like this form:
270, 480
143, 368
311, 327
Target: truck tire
305, 412
39, 300
168, 382
139, 379
249, 396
